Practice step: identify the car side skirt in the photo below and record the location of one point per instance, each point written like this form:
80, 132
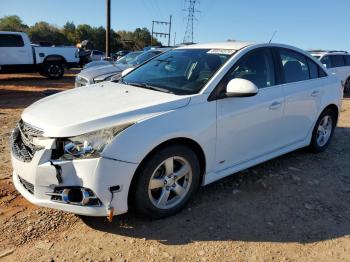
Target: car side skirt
214, 176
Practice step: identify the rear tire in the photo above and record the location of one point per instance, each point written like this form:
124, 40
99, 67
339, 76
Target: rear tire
166, 182
53, 70
323, 131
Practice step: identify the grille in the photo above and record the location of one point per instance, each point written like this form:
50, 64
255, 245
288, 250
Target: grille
27, 185
81, 81
22, 141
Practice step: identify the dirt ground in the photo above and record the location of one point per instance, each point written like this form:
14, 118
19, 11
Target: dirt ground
293, 208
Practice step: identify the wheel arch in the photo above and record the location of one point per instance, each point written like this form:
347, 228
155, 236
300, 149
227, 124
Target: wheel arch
192, 144
333, 107
55, 58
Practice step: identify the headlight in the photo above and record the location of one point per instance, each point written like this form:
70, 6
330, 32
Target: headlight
90, 145
103, 78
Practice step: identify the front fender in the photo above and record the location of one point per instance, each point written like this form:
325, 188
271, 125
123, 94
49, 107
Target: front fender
197, 122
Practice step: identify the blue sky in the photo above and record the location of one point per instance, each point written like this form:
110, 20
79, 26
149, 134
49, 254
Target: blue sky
303, 23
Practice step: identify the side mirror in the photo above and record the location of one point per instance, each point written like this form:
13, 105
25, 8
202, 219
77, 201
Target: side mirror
239, 87
325, 65
127, 71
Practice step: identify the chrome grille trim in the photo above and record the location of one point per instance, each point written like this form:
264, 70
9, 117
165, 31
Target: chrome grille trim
27, 185
21, 141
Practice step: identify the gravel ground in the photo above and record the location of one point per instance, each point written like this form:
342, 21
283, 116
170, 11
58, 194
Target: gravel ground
292, 208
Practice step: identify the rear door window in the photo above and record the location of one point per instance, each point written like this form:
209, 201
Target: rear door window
316, 71
11, 40
337, 60
294, 66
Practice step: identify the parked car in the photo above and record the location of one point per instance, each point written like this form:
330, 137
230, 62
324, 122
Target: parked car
17, 55
338, 63
124, 60
186, 118
97, 74
120, 54
96, 55
129, 57
97, 63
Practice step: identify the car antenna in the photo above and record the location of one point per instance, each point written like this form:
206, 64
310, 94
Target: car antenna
273, 35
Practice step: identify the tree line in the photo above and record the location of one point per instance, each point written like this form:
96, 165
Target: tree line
71, 34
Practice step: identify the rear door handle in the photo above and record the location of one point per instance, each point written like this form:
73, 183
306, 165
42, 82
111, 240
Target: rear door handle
275, 105
315, 93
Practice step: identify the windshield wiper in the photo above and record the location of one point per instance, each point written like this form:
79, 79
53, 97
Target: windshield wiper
147, 86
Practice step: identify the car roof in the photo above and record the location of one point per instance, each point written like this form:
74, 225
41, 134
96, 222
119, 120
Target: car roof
234, 45
322, 53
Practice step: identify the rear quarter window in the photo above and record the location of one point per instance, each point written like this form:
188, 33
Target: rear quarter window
313, 69
11, 40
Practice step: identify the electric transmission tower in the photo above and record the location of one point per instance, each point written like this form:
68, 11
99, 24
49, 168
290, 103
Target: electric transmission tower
191, 10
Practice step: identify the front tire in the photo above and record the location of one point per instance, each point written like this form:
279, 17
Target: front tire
323, 131
166, 182
53, 70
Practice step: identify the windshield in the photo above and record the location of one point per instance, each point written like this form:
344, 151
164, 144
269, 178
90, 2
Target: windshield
316, 56
129, 57
180, 71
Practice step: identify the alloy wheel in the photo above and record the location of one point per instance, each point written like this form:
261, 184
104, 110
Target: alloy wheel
170, 182
324, 130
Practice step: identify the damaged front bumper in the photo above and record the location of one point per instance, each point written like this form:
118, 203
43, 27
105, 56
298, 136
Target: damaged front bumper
83, 186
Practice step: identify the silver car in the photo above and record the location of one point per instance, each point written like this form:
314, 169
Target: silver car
100, 73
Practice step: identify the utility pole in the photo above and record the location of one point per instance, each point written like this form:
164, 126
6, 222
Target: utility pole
152, 33
161, 34
108, 28
169, 30
191, 10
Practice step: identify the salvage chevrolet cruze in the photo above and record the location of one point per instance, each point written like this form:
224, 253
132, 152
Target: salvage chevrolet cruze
186, 118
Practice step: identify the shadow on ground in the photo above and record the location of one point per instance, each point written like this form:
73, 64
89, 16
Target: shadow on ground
300, 197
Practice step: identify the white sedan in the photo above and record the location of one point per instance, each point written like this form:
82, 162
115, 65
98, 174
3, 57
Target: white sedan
186, 118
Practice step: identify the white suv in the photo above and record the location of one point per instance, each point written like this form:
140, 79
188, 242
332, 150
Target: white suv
338, 63
186, 118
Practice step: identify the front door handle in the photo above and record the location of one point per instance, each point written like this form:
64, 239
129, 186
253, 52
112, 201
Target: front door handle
275, 105
315, 93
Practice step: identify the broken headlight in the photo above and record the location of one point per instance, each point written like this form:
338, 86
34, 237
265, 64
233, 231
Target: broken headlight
90, 145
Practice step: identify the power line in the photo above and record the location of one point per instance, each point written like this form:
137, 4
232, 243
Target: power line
191, 10
161, 34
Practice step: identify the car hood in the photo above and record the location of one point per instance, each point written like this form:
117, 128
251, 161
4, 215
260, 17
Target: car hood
95, 71
83, 110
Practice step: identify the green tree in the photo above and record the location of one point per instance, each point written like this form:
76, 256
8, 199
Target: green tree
43, 31
140, 38
12, 23
84, 32
69, 31
71, 34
